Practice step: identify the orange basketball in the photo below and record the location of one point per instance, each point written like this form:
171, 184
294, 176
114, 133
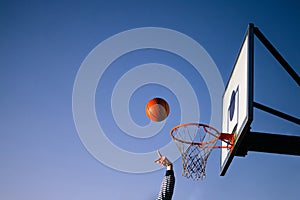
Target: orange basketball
157, 109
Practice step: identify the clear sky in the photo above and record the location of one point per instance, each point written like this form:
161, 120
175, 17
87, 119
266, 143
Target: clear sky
44, 46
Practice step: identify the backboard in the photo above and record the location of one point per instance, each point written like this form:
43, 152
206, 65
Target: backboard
237, 106
237, 115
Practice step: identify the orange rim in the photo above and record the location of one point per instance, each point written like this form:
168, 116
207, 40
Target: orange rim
225, 137
205, 127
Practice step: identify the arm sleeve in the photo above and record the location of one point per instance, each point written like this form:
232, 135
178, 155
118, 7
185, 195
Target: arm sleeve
167, 186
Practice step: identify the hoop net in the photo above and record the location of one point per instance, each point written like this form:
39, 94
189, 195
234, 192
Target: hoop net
195, 143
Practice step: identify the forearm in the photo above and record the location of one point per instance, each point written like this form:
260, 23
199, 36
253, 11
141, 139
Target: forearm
167, 186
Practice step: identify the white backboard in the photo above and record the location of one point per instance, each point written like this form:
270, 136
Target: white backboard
237, 111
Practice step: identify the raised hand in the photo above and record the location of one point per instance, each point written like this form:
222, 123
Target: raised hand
163, 160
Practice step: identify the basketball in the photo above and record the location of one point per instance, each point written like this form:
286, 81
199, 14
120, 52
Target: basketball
157, 109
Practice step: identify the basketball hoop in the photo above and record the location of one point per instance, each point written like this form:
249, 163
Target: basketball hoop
195, 142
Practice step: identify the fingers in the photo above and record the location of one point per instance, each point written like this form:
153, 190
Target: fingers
159, 154
159, 160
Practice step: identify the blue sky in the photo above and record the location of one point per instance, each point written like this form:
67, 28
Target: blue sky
43, 45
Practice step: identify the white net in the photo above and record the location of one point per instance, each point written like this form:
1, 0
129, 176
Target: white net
195, 143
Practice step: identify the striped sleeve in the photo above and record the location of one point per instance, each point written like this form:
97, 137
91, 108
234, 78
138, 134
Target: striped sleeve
167, 186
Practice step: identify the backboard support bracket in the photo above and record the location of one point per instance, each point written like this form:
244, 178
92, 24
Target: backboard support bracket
277, 55
270, 143
276, 113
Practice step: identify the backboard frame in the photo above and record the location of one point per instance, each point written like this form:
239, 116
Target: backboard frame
242, 126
